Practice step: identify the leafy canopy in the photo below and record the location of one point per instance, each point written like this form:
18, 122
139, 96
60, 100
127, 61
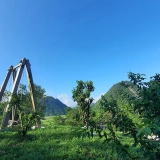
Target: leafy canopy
81, 94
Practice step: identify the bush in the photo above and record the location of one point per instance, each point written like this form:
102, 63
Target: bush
59, 120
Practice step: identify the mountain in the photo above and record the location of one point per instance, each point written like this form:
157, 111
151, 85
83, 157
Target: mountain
126, 88
53, 106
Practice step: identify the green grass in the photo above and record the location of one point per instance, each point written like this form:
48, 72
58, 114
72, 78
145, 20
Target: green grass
54, 142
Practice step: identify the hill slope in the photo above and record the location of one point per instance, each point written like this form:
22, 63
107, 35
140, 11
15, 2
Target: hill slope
53, 106
125, 87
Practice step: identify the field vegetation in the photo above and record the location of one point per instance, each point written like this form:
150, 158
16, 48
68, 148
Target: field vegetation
117, 127
56, 142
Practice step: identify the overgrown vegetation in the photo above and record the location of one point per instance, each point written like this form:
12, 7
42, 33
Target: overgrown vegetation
25, 114
118, 126
54, 142
135, 116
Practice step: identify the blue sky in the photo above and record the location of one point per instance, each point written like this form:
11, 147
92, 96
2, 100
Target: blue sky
69, 40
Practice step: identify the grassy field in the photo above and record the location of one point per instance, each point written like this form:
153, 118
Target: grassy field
54, 142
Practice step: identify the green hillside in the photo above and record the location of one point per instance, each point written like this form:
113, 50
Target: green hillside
53, 106
125, 88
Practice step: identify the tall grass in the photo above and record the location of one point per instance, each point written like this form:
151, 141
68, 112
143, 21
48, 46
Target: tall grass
57, 142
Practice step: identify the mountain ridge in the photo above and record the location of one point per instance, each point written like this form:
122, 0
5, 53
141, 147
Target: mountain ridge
53, 106
126, 88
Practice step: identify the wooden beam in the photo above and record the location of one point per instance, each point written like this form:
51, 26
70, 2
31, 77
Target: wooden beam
31, 86
6, 114
17, 66
13, 107
32, 91
5, 82
16, 80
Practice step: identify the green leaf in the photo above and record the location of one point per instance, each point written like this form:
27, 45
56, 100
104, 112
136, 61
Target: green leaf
139, 133
147, 130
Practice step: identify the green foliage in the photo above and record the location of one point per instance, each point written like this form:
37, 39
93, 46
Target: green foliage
27, 116
23, 97
2, 106
81, 94
130, 111
3, 103
56, 142
5, 96
136, 116
73, 117
125, 87
53, 106
59, 120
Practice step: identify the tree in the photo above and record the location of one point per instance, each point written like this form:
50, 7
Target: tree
22, 100
72, 116
136, 116
81, 94
26, 102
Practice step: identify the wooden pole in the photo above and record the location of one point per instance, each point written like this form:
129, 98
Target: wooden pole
32, 91
6, 114
5, 82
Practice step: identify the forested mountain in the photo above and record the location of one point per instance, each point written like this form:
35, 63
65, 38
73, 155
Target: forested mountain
53, 106
125, 88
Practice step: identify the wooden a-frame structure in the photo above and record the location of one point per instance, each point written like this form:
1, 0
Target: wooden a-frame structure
16, 72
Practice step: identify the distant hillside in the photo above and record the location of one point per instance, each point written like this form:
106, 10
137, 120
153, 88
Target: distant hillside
53, 106
125, 87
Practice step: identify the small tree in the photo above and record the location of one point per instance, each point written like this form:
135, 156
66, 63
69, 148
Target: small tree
81, 94
22, 101
72, 116
27, 118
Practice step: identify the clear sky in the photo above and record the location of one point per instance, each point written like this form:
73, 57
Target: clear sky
69, 40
